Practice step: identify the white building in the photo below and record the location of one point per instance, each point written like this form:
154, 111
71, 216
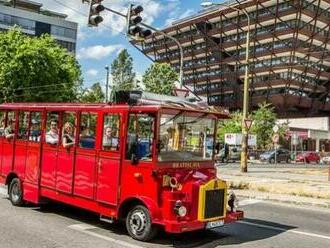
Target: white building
34, 20
313, 133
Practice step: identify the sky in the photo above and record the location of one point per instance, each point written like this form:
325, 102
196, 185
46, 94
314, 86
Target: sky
98, 47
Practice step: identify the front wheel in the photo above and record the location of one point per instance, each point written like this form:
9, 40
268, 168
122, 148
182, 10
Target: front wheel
139, 225
16, 192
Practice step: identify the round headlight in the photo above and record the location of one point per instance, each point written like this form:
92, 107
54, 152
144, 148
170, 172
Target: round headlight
182, 211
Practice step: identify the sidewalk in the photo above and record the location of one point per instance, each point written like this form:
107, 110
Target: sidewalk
299, 186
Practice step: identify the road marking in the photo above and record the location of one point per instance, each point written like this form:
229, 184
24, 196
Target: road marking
246, 202
285, 230
3, 191
85, 228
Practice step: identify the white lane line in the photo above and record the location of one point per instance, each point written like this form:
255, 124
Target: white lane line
246, 202
285, 230
3, 191
85, 228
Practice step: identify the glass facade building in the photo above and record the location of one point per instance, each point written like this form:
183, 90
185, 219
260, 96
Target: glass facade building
33, 20
289, 54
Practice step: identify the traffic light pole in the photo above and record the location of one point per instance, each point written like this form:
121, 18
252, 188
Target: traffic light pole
162, 33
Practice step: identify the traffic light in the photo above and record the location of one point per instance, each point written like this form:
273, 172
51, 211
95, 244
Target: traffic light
94, 18
133, 20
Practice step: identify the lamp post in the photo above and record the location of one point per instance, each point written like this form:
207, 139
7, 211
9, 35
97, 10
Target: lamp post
107, 83
246, 84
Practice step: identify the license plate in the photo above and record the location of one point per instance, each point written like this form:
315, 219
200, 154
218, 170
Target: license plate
214, 224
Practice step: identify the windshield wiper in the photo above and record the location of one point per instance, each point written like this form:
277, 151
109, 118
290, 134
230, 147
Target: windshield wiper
173, 118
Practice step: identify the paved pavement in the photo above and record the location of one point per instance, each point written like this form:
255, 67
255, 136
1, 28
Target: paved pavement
58, 226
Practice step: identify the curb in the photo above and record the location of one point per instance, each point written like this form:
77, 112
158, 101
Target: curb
292, 202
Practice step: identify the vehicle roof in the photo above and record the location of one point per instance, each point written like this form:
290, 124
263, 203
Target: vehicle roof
104, 106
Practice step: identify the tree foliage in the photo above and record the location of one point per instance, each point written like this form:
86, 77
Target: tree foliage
232, 125
122, 72
264, 119
36, 69
93, 95
160, 78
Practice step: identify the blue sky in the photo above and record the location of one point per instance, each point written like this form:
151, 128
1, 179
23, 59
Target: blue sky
97, 47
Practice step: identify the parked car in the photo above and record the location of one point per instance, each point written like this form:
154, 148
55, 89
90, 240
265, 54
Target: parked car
282, 155
325, 160
234, 154
308, 157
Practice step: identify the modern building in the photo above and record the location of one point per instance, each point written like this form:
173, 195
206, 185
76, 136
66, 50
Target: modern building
289, 54
34, 20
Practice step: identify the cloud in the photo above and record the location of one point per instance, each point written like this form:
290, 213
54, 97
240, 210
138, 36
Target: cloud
97, 52
92, 72
177, 15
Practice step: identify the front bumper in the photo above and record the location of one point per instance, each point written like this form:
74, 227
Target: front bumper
186, 226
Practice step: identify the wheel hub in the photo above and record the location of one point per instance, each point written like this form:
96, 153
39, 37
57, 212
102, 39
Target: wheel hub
138, 222
15, 192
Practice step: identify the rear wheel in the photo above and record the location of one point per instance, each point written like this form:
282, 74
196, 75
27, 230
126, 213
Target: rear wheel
139, 225
272, 161
16, 192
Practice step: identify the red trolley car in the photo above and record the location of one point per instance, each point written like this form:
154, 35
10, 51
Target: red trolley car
145, 159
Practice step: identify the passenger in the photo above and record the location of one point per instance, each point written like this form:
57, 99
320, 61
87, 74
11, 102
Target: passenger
110, 142
35, 132
68, 135
10, 129
52, 135
2, 127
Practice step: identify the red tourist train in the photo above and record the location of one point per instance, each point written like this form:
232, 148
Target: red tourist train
146, 159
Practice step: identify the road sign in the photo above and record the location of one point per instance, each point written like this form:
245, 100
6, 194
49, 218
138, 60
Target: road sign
275, 138
248, 124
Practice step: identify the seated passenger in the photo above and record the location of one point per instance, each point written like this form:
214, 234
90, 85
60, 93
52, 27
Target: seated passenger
35, 132
109, 141
9, 132
87, 139
68, 135
52, 135
2, 128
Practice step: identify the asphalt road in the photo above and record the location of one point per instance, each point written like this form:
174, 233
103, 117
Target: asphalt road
57, 226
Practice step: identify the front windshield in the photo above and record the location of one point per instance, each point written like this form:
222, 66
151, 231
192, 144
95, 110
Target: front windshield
185, 136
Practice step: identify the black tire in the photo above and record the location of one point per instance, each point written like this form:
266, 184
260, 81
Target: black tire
272, 161
139, 225
16, 192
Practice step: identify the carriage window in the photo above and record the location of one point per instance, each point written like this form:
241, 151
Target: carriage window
9, 132
23, 123
69, 129
52, 128
111, 124
87, 130
140, 136
35, 127
2, 123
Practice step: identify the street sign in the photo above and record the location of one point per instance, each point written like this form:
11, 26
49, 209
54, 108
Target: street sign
275, 129
275, 138
248, 124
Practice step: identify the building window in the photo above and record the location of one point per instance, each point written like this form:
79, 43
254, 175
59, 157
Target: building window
63, 32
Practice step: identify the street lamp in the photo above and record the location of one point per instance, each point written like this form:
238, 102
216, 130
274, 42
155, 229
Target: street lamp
246, 83
107, 83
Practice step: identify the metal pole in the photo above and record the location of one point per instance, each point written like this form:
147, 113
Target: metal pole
246, 90
162, 33
107, 85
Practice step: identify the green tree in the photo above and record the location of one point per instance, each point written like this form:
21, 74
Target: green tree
160, 78
232, 125
264, 119
36, 69
93, 95
122, 72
